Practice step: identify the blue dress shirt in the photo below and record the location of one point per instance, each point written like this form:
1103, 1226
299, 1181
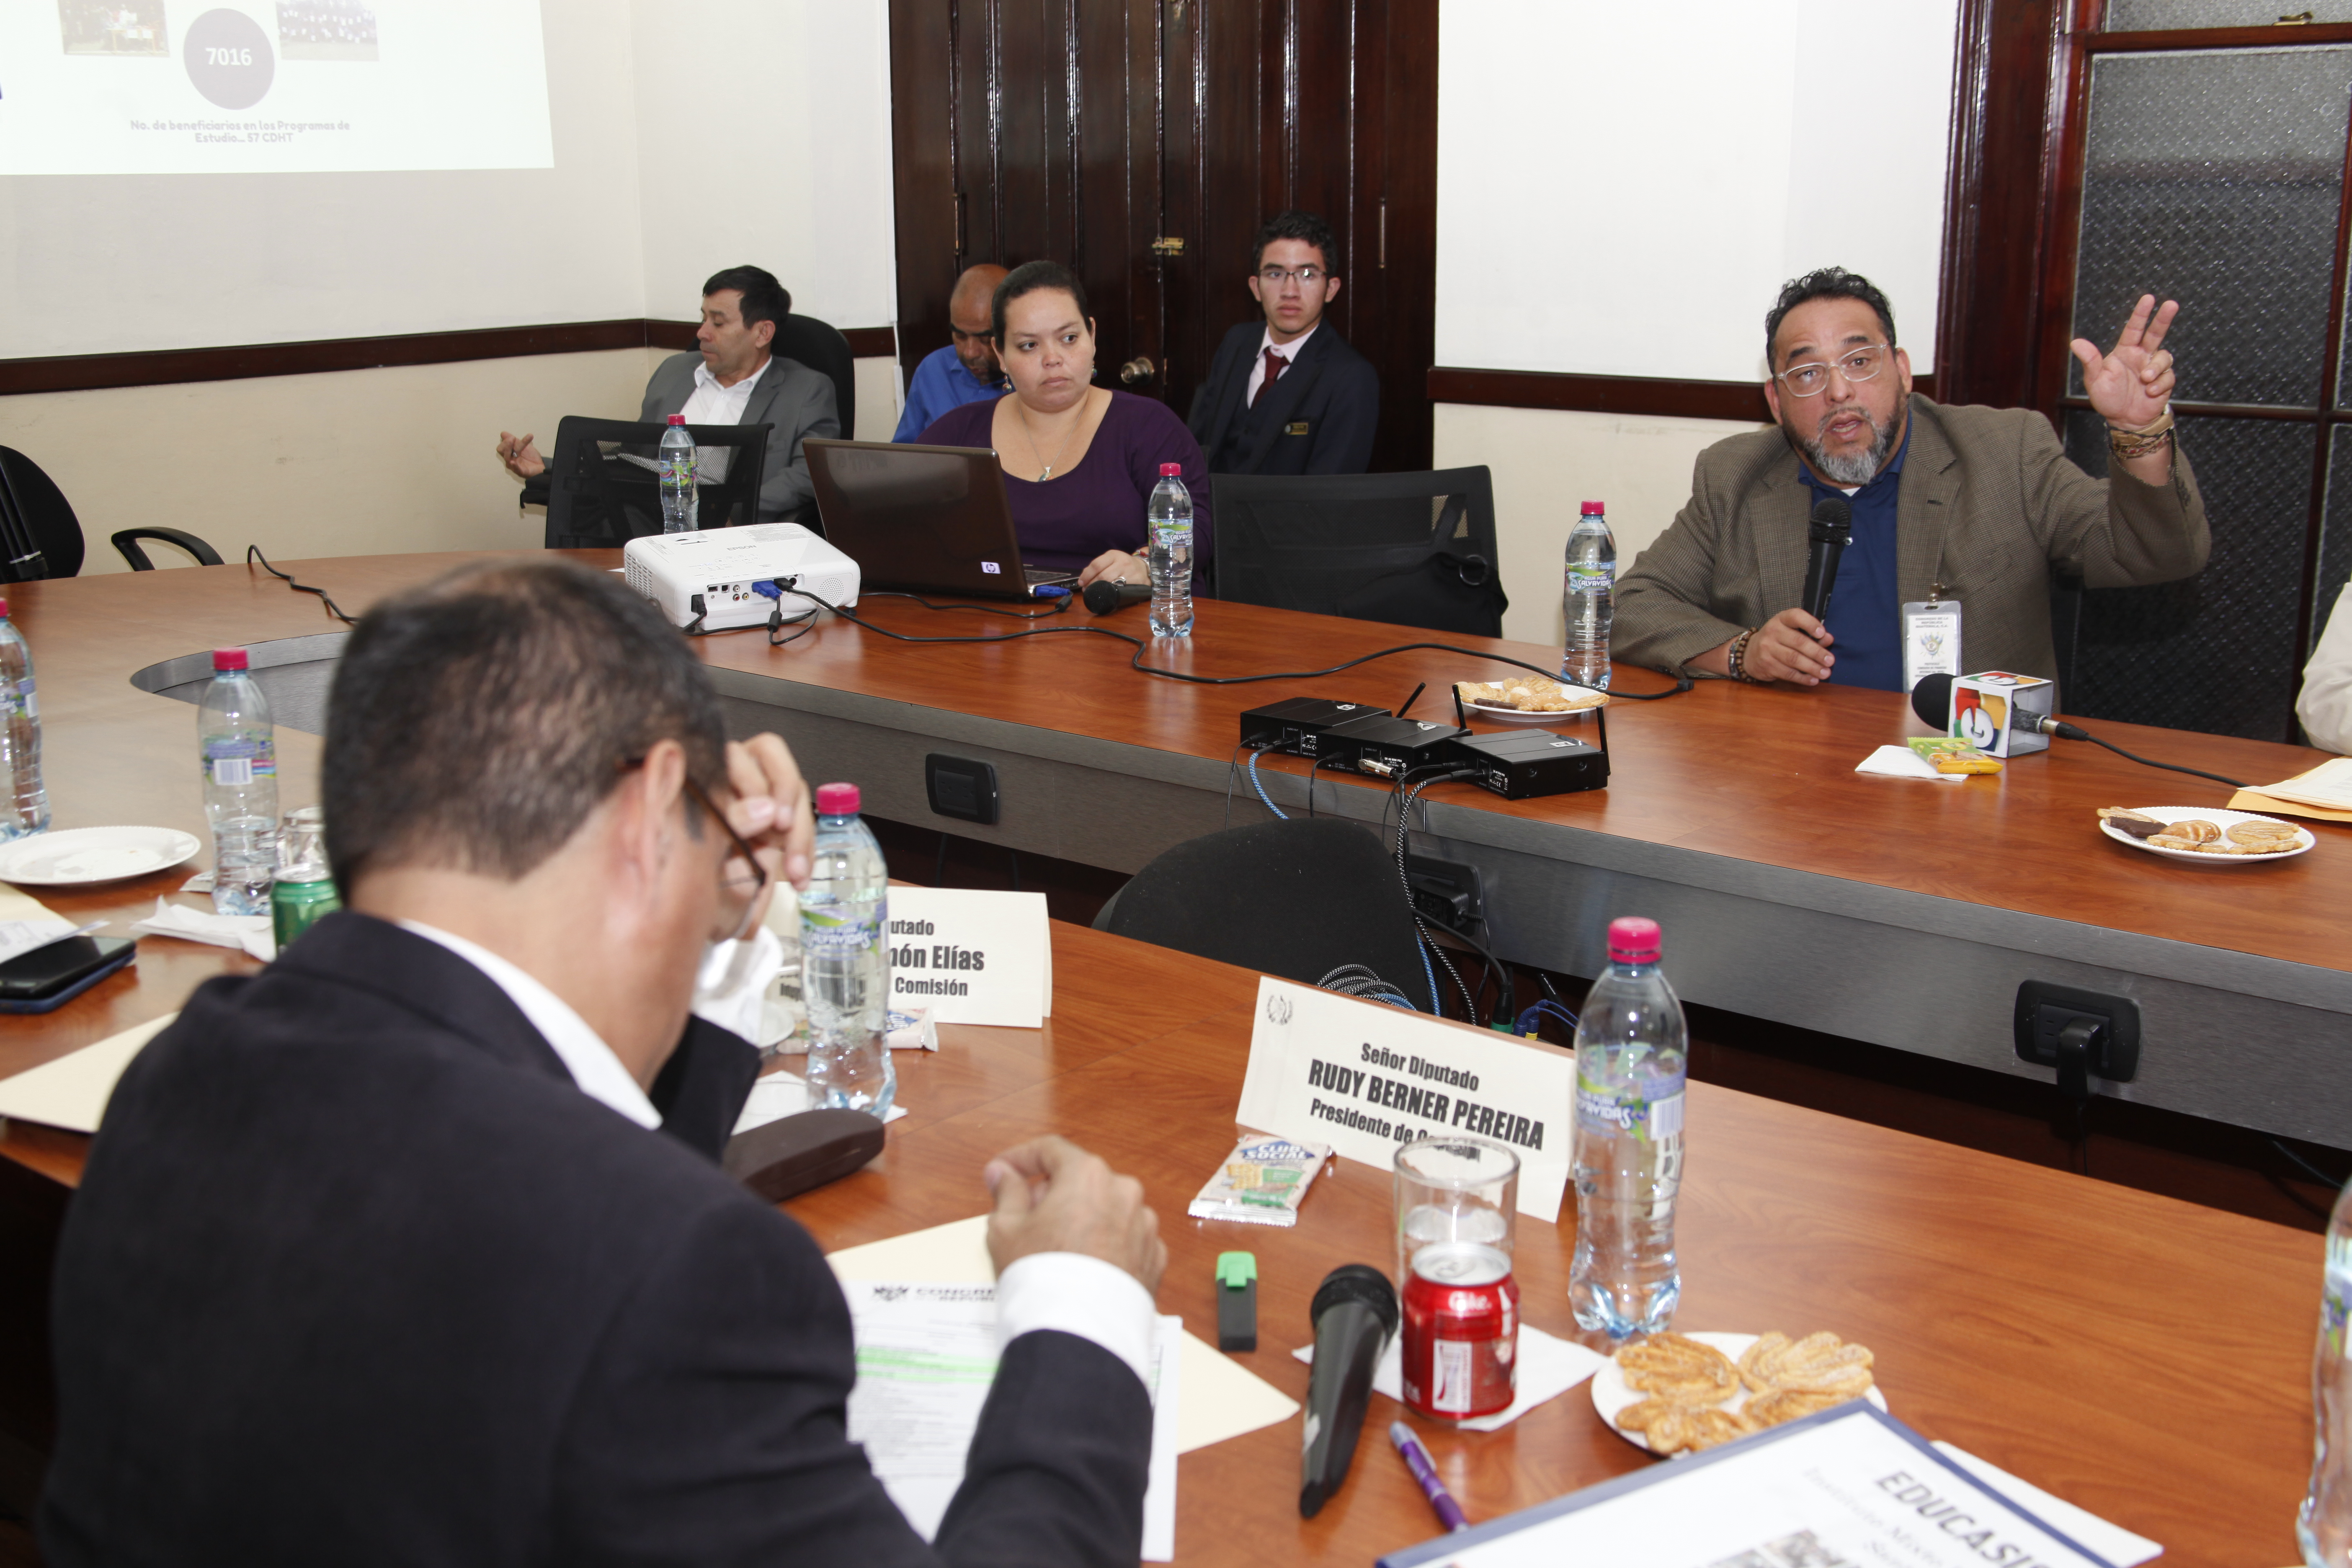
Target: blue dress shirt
1865, 619
940, 383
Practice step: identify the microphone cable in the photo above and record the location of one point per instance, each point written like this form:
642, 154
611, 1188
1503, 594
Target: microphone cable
253, 553
2076, 732
789, 584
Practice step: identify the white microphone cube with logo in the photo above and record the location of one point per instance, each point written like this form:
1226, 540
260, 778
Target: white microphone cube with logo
711, 581
1999, 714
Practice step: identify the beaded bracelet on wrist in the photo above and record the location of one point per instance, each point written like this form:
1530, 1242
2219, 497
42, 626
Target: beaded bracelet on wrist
2129, 444
1735, 659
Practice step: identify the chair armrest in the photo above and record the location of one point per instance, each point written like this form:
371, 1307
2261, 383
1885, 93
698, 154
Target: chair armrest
127, 543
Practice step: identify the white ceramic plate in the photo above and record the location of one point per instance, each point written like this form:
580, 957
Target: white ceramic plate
76, 854
1611, 1395
2304, 838
1502, 715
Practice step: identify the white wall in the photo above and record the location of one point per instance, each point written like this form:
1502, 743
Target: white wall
1621, 189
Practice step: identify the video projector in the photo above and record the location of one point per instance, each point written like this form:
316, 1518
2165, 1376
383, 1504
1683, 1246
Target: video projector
712, 581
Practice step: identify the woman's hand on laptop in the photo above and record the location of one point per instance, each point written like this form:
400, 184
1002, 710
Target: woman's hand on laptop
1116, 566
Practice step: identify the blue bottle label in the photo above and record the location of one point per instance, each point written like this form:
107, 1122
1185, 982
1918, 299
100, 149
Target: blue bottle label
1589, 579
234, 762
1650, 1116
23, 703
821, 932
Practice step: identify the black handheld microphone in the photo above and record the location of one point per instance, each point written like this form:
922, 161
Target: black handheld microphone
1103, 596
1354, 1312
1932, 700
1830, 532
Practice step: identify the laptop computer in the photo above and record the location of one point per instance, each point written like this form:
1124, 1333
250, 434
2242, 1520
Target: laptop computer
925, 519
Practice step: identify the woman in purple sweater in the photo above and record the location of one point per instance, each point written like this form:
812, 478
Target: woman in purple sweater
1080, 460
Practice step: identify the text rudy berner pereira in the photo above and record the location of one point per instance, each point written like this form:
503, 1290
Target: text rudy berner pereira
1448, 1113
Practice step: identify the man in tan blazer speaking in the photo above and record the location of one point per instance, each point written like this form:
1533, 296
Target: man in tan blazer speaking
1973, 505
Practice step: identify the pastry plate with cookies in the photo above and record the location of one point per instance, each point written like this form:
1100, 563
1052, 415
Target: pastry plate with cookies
1527, 699
1675, 1394
2203, 833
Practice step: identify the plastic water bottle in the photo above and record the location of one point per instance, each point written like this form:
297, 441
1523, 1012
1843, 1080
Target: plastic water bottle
1588, 595
2324, 1525
26, 809
678, 478
239, 750
1169, 517
1630, 1053
845, 960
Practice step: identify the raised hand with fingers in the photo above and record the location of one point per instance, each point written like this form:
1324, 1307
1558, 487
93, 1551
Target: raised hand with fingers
2131, 384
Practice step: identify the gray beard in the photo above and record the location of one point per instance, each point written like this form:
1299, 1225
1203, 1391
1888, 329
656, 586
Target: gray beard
1855, 469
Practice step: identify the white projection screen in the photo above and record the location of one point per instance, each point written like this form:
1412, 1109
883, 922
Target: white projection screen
213, 87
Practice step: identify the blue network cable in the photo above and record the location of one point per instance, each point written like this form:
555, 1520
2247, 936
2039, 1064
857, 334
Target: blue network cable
1260, 787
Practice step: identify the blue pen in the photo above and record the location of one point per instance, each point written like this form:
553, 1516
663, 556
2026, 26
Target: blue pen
1417, 1460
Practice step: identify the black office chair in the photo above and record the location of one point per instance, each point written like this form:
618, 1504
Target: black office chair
1296, 899
41, 537
1414, 549
598, 500
822, 349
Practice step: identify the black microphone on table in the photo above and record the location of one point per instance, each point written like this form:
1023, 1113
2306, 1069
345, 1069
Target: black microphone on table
1826, 537
1103, 596
1932, 700
1354, 1312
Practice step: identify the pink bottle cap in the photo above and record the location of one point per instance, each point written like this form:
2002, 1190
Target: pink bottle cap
678, 418
1633, 940
3, 609
841, 800
1171, 470
229, 658
1593, 509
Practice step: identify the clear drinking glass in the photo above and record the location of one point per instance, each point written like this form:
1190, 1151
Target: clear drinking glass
1456, 1212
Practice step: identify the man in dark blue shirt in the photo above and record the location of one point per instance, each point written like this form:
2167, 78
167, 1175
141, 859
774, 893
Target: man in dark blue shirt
965, 371
1862, 621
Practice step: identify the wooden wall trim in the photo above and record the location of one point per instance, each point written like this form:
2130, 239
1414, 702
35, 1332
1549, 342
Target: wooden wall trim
88, 373
1651, 396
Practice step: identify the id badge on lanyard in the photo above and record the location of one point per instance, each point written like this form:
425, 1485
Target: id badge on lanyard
1931, 639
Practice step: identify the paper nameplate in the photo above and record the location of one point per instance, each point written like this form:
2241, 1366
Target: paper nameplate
1364, 1078
971, 956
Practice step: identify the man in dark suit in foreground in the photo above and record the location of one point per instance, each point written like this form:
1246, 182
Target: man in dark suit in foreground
411, 1248
1287, 394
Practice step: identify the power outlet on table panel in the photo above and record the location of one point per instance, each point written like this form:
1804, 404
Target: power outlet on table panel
2044, 1011
1447, 890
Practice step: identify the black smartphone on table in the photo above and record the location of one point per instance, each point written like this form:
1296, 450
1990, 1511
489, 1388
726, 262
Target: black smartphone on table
51, 976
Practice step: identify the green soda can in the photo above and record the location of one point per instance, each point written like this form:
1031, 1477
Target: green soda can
294, 905
305, 888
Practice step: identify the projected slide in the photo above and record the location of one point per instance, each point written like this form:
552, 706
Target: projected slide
203, 87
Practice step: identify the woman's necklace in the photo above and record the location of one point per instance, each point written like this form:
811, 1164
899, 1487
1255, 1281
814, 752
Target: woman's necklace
1031, 437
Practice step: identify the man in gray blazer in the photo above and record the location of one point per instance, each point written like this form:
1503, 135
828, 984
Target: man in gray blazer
733, 379
1973, 505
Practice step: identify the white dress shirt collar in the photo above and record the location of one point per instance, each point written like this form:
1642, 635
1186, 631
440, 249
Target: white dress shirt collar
583, 1051
705, 381
1288, 351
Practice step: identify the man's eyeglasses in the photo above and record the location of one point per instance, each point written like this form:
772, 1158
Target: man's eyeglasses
1276, 277
742, 877
1807, 379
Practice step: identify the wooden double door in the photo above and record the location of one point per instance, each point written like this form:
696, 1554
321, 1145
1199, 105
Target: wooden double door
1142, 143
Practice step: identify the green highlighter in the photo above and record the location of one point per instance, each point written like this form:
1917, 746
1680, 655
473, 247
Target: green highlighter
1237, 1301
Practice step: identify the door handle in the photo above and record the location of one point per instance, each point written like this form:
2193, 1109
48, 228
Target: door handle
1137, 370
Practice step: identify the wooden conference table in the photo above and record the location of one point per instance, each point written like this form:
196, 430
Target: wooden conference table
2144, 1358
1790, 888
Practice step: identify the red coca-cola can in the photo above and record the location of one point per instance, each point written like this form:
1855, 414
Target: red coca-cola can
1461, 1331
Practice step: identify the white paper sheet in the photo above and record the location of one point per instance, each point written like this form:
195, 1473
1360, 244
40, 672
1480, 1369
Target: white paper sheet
1219, 1397
71, 1092
1549, 1367
925, 1357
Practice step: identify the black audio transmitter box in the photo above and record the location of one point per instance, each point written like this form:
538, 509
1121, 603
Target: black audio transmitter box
1384, 746
1296, 725
1524, 764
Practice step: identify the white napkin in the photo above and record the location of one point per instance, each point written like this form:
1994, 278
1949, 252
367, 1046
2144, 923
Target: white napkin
1903, 763
249, 932
1549, 1367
